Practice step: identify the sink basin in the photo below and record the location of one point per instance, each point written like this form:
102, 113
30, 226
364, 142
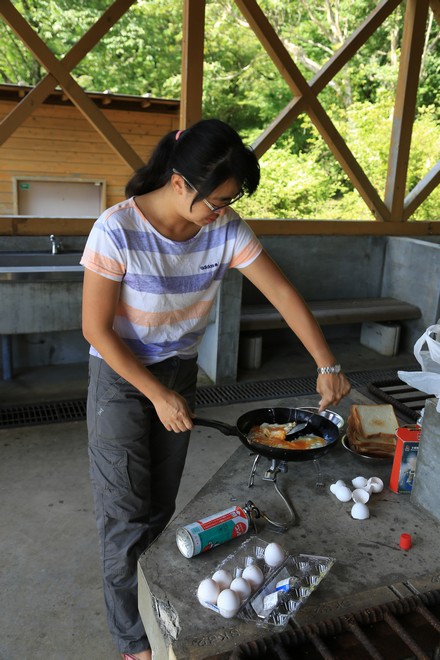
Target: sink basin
40, 266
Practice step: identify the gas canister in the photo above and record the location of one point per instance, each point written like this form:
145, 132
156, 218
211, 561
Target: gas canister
204, 534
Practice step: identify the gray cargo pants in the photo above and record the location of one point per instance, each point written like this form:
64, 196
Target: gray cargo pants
135, 467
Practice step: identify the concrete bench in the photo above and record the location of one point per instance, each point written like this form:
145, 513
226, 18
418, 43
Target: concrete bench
332, 312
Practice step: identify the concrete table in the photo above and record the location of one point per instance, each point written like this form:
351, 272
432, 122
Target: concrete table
370, 567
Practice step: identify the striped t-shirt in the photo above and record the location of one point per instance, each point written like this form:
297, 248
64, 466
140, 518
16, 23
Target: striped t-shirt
167, 287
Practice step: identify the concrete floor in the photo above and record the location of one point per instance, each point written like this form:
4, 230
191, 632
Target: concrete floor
52, 605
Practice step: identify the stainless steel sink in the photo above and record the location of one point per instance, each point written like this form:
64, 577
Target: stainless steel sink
40, 266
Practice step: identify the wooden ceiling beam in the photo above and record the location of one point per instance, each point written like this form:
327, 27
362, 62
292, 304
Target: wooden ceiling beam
298, 84
333, 65
41, 91
84, 104
421, 191
192, 62
405, 106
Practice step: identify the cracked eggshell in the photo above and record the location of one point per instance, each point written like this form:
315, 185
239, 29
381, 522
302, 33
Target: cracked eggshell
343, 493
376, 484
359, 482
360, 495
360, 511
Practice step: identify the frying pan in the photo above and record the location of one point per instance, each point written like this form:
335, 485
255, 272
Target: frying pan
317, 425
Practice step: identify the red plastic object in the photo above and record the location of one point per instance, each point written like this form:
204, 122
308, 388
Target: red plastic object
405, 541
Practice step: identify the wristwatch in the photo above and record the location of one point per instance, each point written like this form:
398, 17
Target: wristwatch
335, 369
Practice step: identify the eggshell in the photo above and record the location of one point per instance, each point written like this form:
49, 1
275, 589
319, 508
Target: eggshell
274, 555
360, 511
241, 587
223, 578
338, 484
376, 484
343, 494
228, 603
208, 590
254, 575
360, 495
359, 482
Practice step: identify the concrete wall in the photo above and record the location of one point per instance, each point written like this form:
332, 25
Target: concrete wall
320, 267
331, 267
412, 273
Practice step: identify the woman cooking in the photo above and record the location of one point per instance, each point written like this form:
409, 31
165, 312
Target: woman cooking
153, 265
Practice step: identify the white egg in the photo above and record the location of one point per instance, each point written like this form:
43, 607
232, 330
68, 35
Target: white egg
228, 603
360, 511
241, 587
254, 575
360, 495
274, 555
359, 482
343, 494
376, 484
208, 590
223, 578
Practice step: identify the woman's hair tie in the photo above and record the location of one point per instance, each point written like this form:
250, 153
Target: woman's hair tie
178, 134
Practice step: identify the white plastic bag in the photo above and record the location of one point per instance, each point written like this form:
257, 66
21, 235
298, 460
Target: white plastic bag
427, 380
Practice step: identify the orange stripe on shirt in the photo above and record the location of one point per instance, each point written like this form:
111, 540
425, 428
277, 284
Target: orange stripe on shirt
154, 319
102, 264
249, 252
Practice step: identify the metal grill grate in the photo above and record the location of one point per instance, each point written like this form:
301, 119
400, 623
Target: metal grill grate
216, 395
404, 398
405, 629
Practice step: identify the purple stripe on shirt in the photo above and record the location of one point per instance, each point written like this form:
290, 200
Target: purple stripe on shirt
182, 284
154, 349
150, 242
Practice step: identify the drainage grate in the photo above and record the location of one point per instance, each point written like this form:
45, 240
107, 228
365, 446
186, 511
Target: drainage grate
43, 413
219, 395
215, 395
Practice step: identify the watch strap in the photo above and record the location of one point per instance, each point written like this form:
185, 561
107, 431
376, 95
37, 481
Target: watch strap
334, 369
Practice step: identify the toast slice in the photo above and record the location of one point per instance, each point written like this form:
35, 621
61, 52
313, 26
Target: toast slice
371, 429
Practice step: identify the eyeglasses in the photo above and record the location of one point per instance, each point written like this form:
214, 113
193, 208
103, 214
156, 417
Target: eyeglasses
210, 206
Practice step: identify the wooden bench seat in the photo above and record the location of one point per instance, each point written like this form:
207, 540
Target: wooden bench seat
332, 312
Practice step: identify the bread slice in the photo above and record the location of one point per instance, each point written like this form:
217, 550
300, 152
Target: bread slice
371, 429
375, 420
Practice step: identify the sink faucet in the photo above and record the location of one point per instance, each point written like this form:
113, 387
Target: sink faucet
57, 246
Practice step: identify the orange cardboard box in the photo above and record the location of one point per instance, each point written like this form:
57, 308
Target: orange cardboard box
405, 459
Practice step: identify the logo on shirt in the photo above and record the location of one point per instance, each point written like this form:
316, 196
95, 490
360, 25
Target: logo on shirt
207, 266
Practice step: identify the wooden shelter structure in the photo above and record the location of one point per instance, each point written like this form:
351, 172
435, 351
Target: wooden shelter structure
392, 211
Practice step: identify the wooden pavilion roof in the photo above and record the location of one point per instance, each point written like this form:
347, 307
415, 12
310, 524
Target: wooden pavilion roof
391, 211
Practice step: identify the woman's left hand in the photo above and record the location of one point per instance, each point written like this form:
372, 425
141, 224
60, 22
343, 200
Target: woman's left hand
332, 388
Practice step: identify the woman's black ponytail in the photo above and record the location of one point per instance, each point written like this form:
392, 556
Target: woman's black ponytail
208, 153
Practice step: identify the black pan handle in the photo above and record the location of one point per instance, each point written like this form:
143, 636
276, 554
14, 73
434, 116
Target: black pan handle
224, 428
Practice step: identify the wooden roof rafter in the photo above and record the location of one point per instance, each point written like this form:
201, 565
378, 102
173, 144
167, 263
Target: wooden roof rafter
394, 208
59, 73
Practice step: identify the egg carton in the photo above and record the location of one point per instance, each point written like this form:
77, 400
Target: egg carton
285, 590
302, 572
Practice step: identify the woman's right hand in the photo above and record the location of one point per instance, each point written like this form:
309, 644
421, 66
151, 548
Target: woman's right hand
173, 411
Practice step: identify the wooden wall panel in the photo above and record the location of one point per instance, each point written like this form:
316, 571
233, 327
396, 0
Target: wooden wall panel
56, 141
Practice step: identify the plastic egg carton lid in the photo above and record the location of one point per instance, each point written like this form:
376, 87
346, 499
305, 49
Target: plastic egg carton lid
285, 590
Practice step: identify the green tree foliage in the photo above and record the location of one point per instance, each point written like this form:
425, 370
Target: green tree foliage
300, 177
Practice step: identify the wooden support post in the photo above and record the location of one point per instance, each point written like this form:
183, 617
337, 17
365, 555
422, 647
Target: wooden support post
192, 62
405, 106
